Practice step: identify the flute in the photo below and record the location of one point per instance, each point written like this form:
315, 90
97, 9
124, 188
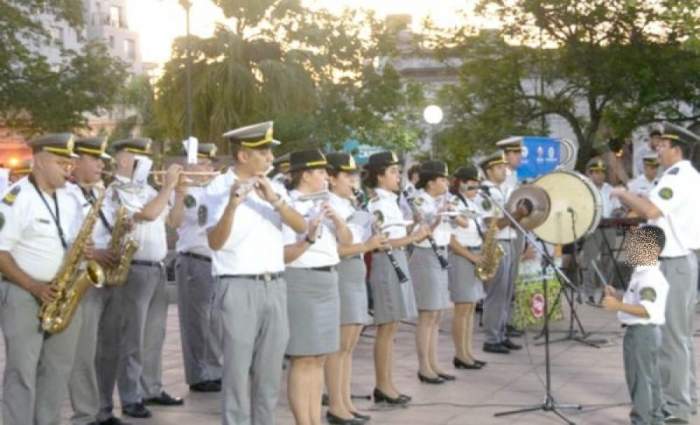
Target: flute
377, 228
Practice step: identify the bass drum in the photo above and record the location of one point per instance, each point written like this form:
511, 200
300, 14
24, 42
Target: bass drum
576, 207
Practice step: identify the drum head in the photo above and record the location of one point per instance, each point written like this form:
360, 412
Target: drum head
575, 207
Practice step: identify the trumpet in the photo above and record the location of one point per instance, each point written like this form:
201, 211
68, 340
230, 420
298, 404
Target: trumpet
187, 178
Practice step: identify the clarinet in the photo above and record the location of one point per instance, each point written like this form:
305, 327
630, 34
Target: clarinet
379, 219
441, 258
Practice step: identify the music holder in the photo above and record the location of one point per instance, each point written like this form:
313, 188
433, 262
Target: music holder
549, 404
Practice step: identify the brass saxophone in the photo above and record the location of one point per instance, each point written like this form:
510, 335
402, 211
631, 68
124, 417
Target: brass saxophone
492, 253
122, 246
71, 282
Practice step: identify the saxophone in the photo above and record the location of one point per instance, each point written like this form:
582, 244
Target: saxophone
492, 253
71, 283
122, 246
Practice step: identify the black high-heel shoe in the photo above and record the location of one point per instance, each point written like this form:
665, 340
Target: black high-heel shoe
337, 420
480, 362
380, 397
428, 380
447, 377
459, 364
360, 416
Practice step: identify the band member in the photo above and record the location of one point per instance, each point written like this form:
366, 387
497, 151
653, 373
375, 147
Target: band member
596, 247
195, 284
101, 310
501, 288
645, 182
413, 174
39, 219
647, 148
144, 299
672, 205
280, 173
465, 254
642, 311
428, 274
312, 295
245, 216
393, 300
344, 179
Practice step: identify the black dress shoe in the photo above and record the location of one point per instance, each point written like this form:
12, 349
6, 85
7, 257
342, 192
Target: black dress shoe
429, 380
511, 345
480, 362
405, 398
360, 416
380, 397
136, 410
447, 376
205, 387
459, 364
113, 421
165, 399
513, 332
216, 381
337, 420
497, 348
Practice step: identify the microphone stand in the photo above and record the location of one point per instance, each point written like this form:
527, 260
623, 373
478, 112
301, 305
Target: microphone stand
549, 404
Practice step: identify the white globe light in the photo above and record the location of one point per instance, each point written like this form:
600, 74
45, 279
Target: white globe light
433, 114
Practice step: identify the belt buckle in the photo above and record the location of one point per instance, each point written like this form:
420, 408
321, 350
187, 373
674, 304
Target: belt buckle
267, 277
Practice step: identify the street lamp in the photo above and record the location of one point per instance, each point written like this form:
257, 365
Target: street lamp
432, 115
187, 5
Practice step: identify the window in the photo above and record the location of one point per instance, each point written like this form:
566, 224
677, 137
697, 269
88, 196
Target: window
130, 49
115, 13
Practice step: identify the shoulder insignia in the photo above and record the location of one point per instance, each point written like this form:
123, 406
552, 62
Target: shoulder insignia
190, 201
486, 204
417, 201
11, 196
673, 171
202, 213
666, 193
648, 294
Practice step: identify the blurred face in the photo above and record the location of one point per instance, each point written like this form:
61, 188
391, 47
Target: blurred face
640, 250
314, 180
53, 169
497, 173
255, 161
668, 155
125, 162
203, 165
598, 177
343, 183
514, 159
414, 177
438, 186
391, 179
654, 141
650, 171
469, 188
88, 169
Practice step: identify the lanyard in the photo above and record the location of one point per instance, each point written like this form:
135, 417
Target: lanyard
55, 216
464, 201
91, 199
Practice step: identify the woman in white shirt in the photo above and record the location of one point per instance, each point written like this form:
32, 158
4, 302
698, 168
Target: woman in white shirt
312, 285
352, 285
465, 254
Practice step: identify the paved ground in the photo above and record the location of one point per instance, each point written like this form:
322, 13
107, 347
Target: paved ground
592, 377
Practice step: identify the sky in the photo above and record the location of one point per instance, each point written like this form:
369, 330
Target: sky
160, 21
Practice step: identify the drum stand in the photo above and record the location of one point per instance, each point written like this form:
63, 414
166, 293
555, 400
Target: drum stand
549, 404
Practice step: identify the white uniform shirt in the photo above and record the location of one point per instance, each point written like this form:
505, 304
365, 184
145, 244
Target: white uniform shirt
192, 233
28, 230
324, 252
500, 194
387, 203
641, 186
358, 221
676, 195
255, 244
649, 288
511, 182
609, 204
428, 208
150, 235
468, 236
101, 235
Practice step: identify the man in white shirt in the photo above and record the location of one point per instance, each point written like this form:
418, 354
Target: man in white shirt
144, 295
201, 350
246, 214
513, 149
673, 205
645, 182
38, 221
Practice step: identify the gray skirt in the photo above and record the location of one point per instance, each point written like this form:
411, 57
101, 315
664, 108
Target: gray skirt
393, 301
429, 280
314, 312
353, 291
465, 287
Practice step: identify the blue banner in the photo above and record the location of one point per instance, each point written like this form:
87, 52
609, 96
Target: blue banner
541, 155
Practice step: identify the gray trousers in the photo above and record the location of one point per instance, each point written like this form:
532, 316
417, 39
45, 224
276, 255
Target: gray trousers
596, 249
499, 293
37, 366
641, 358
145, 308
93, 375
255, 334
518, 245
677, 355
201, 350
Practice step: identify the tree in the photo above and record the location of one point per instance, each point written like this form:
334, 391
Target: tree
36, 95
606, 67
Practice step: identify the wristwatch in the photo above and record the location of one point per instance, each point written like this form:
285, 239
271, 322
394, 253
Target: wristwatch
309, 240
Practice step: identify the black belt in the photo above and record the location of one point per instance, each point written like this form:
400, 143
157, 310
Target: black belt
263, 276
474, 247
196, 256
147, 263
320, 269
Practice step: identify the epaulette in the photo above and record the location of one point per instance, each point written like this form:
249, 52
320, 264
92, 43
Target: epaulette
673, 171
11, 196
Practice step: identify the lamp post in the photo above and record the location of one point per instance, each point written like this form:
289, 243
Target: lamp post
433, 116
187, 5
